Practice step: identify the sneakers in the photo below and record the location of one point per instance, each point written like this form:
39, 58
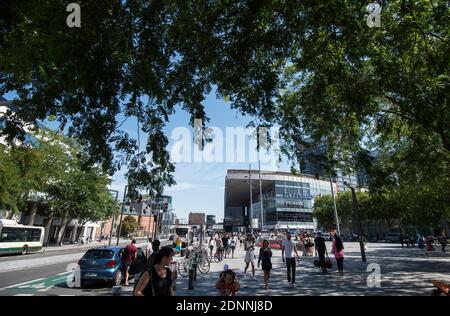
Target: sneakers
290, 285
253, 278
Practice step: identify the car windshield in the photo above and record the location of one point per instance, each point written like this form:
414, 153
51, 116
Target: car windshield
99, 254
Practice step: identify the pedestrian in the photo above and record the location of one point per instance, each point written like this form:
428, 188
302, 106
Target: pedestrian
129, 255
228, 283
178, 245
321, 248
265, 256
249, 247
402, 239
225, 245
443, 240
155, 248
148, 248
337, 249
287, 255
309, 245
219, 248
157, 280
233, 246
211, 246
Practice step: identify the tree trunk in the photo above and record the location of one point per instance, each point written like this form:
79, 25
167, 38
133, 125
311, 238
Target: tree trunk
74, 236
62, 229
48, 226
33, 212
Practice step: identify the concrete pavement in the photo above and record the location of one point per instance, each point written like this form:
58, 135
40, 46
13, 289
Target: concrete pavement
403, 271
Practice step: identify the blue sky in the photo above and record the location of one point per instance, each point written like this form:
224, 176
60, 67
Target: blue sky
200, 185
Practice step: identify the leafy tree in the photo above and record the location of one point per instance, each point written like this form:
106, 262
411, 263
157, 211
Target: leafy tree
129, 226
10, 184
314, 68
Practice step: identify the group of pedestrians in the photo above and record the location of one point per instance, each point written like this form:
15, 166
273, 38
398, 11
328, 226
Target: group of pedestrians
224, 245
290, 256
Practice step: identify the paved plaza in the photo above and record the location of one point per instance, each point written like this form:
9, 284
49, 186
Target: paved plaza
404, 271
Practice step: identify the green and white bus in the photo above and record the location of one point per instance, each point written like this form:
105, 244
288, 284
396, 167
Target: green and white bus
17, 238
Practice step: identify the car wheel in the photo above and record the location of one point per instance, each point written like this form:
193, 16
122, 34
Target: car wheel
24, 250
117, 280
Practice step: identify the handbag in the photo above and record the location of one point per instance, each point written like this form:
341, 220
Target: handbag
316, 261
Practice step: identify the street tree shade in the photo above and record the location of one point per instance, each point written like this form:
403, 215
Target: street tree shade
315, 69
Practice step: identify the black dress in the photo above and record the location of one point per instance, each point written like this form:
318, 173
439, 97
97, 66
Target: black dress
265, 256
161, 286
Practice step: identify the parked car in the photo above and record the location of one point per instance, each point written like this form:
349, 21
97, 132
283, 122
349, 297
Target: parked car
105, 264
392, 237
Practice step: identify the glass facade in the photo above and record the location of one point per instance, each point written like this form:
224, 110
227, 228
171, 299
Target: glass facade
289, 203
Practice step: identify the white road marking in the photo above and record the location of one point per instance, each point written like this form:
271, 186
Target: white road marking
20, 284
24, 294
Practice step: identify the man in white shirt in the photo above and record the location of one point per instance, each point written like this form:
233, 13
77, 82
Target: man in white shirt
287, 252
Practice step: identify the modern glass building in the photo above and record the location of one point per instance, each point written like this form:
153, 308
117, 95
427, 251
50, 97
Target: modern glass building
286, 201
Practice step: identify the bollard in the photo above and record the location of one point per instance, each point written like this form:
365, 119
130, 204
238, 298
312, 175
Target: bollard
116, 290
191, 279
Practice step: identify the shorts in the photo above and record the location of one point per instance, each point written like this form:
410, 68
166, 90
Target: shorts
249, 256
126, 265
178, 248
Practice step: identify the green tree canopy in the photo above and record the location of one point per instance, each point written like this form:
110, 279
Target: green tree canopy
129, 226
314, 68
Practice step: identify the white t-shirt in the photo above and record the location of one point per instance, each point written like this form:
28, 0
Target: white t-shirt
149, 248
288, 246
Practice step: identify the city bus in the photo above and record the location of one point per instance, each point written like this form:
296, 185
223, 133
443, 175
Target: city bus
21, 239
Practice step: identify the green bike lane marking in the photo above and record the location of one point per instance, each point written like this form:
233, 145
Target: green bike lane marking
38, 285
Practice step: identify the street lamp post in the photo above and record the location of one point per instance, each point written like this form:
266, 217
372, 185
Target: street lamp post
250, 215
355, 206
121, 214
113, 217
335, 208
261, 197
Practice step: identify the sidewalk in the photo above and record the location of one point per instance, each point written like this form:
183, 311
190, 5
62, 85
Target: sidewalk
402, 272
94, 244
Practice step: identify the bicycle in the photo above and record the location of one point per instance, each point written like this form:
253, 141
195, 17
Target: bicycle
196, 256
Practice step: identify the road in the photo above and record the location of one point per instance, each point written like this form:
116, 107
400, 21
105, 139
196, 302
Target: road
45, 273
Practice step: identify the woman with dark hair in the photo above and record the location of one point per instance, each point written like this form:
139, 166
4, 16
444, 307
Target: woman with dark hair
265, 255
338, 250
157, 280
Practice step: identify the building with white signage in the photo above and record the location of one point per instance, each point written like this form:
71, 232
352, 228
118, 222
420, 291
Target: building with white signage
286, 201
